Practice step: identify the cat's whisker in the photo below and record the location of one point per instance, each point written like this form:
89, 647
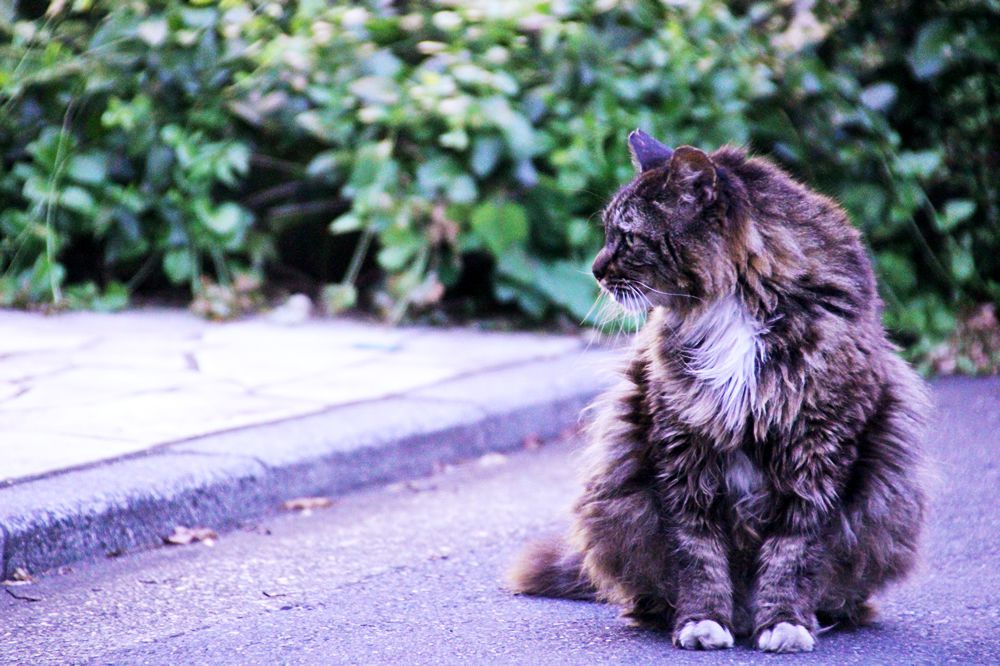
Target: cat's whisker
621, 319
642, 300
623, 310
593, 305
665, 293
606, 310
637, 301
638, 306
601, 317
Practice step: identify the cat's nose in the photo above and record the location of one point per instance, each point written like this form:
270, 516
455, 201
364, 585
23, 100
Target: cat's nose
601, 264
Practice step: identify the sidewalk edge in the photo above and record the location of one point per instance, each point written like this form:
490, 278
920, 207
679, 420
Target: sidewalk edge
233, 478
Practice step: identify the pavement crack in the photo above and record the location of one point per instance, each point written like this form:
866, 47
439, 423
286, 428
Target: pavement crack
191, 361
213, 454
21, 597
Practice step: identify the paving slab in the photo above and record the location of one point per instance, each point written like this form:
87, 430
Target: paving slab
117, 428
146, 378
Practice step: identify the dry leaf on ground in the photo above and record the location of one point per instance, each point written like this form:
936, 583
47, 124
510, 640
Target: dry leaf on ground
306, 503
273, 595
20, 576
532, 442
183, 536
442, 468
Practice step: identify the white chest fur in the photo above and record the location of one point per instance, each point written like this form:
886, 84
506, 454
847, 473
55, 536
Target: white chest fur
723, 347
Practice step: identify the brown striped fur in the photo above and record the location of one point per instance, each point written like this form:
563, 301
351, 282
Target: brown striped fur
771, 478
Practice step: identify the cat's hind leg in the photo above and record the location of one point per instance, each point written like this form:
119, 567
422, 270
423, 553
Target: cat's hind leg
626, 556
619, 525
876, 539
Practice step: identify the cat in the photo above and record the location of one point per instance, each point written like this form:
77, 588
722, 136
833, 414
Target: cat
756, 472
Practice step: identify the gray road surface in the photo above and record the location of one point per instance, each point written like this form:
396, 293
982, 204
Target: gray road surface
410, 574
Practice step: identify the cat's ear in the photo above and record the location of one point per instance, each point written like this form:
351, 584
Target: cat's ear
647, 152
695, 172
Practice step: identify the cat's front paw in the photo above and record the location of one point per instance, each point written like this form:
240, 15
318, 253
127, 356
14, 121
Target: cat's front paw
703, 635
786, 637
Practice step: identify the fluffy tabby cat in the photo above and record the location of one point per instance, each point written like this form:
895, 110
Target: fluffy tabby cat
754, 473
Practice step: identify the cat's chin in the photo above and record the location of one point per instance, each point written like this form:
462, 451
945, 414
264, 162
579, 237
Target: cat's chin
629, 303
634, 309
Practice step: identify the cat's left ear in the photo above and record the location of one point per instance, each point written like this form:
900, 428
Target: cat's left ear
647, 153
695, 172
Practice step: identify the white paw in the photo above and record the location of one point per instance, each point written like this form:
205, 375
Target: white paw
704, 635
786, 637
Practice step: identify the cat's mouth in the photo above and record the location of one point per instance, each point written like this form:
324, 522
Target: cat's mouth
628, 295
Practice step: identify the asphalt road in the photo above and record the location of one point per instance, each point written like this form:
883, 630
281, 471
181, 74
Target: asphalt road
410, 574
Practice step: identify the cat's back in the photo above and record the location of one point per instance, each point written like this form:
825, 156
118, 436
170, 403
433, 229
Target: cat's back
806, 237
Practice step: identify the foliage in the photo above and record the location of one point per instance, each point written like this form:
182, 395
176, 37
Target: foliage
162, 142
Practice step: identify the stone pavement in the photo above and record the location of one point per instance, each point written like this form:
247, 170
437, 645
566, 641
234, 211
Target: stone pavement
80, 388
106, 420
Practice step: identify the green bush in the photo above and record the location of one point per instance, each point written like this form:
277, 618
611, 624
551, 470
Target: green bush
408, 156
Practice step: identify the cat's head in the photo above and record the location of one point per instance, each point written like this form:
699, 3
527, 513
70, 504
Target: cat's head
666, 237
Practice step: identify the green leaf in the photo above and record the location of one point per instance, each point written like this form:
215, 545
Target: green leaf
178, 266
88, 168
463, 190
955, 212
373, 168
235, 161
154, 32
158, 166
866, 203
346, 223
879, 96
569, 285
375, 90
37, 189
399, 245
579, 233
457, 138
485, 155
198, 18
932, 49
500, 226
519, 133
941, 321
226, 219
50, 147
436, 175
565, 284
339, 297
114, 298
531, 303
897, 271
324, 164
78, 200
395, 257
312, 122
45, 279
963, 267
918, 163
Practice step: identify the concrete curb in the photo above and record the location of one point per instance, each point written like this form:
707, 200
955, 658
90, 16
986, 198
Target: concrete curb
225, 479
